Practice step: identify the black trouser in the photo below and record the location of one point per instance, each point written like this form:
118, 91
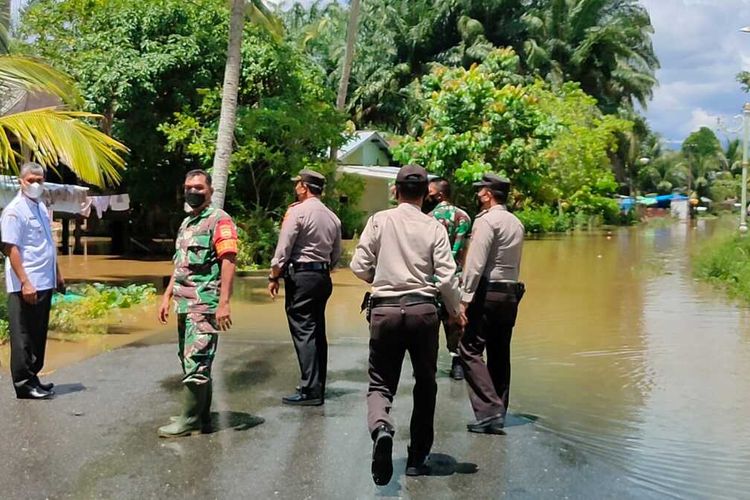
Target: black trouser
28, 336
491, 315
306, 295
394, 330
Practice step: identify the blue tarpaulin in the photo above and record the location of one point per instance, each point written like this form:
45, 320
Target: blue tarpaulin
663, 200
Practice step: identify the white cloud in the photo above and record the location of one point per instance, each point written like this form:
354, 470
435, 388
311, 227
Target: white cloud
701, 50
702, 118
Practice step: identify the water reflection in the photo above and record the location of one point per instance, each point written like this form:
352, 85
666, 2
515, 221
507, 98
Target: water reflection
624, 355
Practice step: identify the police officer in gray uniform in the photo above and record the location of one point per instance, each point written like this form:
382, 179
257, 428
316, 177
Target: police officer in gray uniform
406, 256
490, 296
309, 246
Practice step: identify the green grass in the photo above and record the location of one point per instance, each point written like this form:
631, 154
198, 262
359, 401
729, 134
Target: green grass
725, 262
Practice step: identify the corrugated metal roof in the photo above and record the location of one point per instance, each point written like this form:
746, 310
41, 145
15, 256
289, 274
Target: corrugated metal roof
361, 137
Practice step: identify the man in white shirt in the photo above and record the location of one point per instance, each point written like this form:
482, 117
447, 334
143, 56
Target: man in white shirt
31, 275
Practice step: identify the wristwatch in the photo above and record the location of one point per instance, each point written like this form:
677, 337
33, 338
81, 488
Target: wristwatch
272, 279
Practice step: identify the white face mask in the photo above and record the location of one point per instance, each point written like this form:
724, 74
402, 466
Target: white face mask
34, 190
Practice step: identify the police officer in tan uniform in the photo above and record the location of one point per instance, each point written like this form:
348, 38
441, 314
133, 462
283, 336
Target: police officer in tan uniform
309, 246
406, 256
489, 299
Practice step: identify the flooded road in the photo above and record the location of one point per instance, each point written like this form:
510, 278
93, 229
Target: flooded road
622, 354
618, 351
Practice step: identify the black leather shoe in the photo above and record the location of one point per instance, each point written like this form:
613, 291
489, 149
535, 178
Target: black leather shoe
302, 399
47, 387
29, 392
491, 425
416, 464
457, 369
382, 464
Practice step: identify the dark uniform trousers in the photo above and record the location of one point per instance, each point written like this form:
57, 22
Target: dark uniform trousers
394, 330
306, 295
28, 336
491, 317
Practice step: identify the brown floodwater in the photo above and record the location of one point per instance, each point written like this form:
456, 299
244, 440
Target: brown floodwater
618, 351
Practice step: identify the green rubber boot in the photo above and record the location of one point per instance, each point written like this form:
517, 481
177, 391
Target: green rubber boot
189, 422
206, 426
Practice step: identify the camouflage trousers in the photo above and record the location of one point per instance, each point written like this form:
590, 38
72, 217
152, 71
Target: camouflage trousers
198, 340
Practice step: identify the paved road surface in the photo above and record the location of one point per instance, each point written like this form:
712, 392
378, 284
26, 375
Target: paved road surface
97, 439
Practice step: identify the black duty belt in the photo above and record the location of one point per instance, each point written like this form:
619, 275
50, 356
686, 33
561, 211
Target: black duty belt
506, 287
409, 299
310, 266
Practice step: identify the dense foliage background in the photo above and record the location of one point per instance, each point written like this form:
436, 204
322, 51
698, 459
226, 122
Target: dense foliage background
546, 92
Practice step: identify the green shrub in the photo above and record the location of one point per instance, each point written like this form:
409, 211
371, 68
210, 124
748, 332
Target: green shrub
725, 261
4, 331
258, 234
543, 220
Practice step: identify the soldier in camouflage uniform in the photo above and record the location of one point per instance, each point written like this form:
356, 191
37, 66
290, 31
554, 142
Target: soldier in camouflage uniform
201, 287
458, 225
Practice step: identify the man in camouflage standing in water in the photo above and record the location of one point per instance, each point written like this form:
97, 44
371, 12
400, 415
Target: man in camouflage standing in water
201, 286
458, 224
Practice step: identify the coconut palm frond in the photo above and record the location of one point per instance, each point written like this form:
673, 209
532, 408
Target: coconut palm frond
260, 15
4, 36
33, 75
55, 136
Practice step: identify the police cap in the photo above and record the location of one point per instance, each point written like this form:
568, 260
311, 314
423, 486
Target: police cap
411, 174
493, 182
311, 177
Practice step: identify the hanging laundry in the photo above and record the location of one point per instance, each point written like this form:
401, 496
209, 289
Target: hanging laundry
100, 204
85, 208
119, 202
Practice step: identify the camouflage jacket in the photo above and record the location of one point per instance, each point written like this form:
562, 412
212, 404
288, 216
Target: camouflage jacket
458, 225
201, 241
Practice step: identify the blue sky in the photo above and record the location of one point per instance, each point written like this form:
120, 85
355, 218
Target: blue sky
701, 50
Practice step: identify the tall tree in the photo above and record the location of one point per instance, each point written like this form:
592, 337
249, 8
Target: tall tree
603, 44
228, 119
346, 69
703, 156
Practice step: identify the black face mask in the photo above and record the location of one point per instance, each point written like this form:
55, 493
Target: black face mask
429, 204
195, 198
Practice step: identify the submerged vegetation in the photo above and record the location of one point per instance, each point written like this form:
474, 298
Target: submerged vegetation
84, 305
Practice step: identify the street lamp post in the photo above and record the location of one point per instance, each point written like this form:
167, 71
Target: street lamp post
745, 137
745, 134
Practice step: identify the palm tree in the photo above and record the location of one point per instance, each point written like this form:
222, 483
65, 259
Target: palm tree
5, 13
346, 70
54, 134
605, 45
733, 155
664, 174
259, 14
